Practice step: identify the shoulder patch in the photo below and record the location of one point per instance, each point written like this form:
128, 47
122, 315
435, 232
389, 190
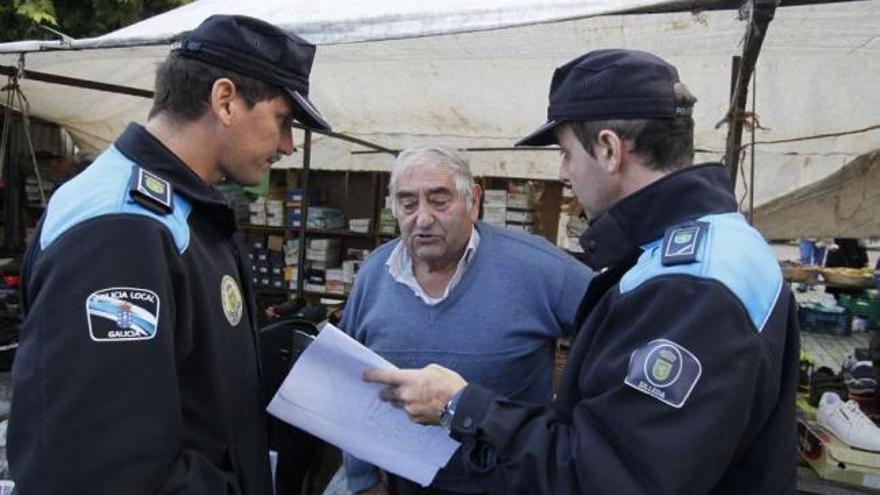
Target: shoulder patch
681, 243
151, 191
664, 370
120, 314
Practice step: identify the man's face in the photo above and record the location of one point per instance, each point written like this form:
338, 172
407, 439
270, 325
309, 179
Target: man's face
435, 223
255, 138
587, 176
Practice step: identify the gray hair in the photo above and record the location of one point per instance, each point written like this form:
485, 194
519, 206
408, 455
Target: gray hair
433, 156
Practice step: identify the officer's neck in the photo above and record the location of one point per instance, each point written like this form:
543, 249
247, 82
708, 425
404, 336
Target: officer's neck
192, 142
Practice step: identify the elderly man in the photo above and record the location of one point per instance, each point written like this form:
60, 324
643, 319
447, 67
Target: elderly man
487, 302
137, 371
682, 376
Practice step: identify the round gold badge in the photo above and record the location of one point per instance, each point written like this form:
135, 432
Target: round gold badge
230, 297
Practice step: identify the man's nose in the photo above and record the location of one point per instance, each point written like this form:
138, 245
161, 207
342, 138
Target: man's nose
424, 215
286, 146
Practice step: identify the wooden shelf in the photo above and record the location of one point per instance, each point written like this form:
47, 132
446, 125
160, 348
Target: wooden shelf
329, 295
341, 232
248, 226
335, 232
270, 290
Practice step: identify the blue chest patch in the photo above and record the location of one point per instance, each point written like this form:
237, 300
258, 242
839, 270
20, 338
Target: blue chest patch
664, 370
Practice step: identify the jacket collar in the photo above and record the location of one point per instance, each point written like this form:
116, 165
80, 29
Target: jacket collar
148, 152
644, 215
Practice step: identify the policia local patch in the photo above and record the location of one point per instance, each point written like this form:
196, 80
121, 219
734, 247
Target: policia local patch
122, 313
664, 370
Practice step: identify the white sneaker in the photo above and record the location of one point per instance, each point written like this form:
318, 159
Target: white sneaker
847, 422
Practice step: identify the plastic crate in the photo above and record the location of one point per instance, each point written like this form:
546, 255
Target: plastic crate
862, 306
820, 321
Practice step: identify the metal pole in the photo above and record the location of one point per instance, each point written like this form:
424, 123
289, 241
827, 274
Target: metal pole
760, 15
304, 213
75, 82
752, 168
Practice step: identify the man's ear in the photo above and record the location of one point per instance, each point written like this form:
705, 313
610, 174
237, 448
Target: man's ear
610, 150
477, 194
223, 95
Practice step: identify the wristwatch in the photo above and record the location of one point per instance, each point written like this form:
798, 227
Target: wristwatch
448, 412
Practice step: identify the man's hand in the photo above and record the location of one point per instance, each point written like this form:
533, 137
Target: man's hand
423, 393
380, 488
271, 313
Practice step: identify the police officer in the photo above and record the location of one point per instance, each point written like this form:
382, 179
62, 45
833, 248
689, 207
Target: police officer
683, 374
137, 371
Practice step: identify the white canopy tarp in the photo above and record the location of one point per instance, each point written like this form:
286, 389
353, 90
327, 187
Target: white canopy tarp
844, 204
476, 74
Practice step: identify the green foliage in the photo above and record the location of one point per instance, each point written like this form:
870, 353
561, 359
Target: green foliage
38, 11
19, 19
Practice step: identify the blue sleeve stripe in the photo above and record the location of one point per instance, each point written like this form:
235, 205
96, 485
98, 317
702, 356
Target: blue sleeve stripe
731, 248
102, 189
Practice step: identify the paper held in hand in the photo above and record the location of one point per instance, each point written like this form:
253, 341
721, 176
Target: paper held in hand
324, 395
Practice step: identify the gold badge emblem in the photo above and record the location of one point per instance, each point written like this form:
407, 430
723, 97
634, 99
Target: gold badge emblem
230, 298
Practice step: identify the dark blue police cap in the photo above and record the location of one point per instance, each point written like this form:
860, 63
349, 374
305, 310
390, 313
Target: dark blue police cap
609, 84
260, 50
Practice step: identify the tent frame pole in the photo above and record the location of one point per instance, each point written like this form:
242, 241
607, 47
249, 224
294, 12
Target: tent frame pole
304, 215
760, 14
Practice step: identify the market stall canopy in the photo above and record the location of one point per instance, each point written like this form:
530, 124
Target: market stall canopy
844, 204
475, 74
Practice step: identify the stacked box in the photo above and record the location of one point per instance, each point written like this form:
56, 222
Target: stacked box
294, 205
519, 198
495, 197
267, 261
322, 217
291, 252
495, 206
335, 281
316, 280
350, 269
520, 208
356, 254
323, 253
495, 215
276, 265
296, 196
293, 217
361, 225
521, 227
257, 211
274, 213
387, 222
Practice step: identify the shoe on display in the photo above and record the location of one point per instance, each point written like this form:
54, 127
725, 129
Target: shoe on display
848, 423
869, 405
860, 376
825, 380
805, 371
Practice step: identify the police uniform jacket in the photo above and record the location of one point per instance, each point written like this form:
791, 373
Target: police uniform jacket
682, 376
137, 371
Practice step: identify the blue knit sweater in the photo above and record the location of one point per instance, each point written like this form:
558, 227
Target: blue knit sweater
497, 327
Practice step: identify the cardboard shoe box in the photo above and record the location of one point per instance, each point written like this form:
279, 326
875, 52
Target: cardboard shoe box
495, 198
836, 461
